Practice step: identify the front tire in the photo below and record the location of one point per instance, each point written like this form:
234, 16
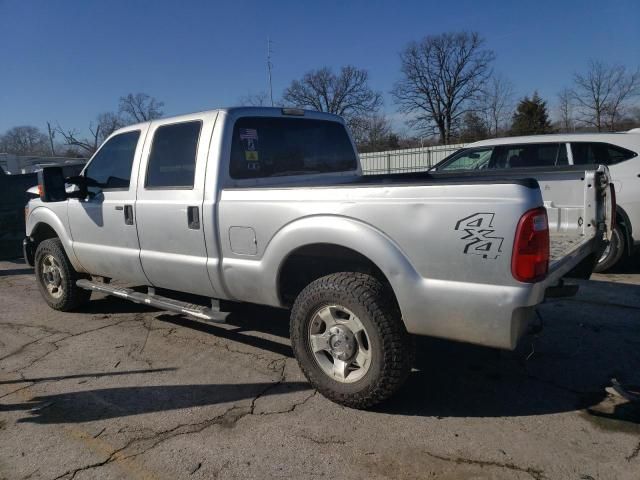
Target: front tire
57, 278
613, 252
349, 339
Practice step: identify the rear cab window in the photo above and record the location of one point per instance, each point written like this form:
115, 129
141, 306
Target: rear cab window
585, 153
271, 147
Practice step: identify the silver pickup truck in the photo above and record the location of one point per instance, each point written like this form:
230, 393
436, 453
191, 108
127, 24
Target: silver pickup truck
269, 206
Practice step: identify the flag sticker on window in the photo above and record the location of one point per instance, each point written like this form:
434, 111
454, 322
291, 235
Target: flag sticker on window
249, 137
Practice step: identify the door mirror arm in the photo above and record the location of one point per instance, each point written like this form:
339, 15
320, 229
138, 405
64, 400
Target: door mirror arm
83, 183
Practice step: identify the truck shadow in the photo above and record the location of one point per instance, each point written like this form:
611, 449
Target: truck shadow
16, 271
586, 341
106, 403
627, 265
271, 322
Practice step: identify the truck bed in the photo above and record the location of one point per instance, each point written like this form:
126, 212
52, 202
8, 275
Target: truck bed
562, 245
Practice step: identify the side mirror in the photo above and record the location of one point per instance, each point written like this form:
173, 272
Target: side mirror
51, 185
82, 184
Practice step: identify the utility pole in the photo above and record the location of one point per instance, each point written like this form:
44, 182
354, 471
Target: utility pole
51, 134
269, 65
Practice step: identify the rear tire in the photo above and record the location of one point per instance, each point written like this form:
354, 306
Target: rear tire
57, 278
349, 339
614, 251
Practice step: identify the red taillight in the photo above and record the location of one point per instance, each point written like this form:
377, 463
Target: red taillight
530, 259
40, 190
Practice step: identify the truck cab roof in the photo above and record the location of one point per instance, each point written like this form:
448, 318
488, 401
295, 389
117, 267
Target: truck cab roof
242, 112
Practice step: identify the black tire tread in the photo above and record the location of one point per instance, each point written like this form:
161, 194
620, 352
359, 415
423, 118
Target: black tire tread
74, 296
397, 345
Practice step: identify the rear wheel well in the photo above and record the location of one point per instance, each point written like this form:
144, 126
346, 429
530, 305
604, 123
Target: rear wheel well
308, 263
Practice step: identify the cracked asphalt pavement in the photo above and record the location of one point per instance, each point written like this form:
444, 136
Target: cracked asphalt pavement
119, 390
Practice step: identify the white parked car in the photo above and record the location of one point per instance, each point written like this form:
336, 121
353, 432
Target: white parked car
619, 151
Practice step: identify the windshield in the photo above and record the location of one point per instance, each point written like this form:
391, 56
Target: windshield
466, 159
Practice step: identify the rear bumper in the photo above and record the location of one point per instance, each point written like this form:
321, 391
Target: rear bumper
483, 314
28, 251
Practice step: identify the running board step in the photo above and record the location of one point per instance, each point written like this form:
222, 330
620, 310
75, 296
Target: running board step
199, 312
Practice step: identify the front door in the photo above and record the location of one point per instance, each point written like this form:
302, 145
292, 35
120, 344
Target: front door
103, 226
169, 205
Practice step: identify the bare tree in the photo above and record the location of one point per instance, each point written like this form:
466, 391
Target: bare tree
140, 108
565, 110
24, 140
105, 124
601, 94
347, 93
87, 145
132, 108
260, 99
627, 88
374, 133
442, 78
497, 104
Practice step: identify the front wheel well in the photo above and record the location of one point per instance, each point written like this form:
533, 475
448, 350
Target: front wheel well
42, 232
311, 262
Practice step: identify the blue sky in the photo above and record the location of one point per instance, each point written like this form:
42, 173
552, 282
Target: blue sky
67, 61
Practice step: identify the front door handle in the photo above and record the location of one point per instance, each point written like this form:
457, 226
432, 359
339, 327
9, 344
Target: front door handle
193, 218
128, 214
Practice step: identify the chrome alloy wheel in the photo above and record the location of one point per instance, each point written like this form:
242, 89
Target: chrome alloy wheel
52, 276
340, 343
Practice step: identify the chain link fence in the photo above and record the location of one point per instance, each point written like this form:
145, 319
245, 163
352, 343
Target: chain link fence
406, 160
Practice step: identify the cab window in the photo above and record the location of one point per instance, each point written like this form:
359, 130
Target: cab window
172, 162
529, 155
111, 166
585, 153
507, 156
271, 147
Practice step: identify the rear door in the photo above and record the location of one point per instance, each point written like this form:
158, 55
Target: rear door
102, 226
169, 204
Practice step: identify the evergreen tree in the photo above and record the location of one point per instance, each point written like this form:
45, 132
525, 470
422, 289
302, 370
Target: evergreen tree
531, 117
474, 128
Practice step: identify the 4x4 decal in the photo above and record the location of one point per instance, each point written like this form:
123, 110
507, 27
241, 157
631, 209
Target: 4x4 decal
479, 231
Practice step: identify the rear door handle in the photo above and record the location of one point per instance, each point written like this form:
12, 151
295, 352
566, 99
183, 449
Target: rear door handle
128, 214
193, 218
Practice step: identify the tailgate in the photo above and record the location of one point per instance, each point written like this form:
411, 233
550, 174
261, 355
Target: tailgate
580, 210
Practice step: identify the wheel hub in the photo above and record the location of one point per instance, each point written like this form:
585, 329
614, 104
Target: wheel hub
52, 277
339, 343
342, 342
